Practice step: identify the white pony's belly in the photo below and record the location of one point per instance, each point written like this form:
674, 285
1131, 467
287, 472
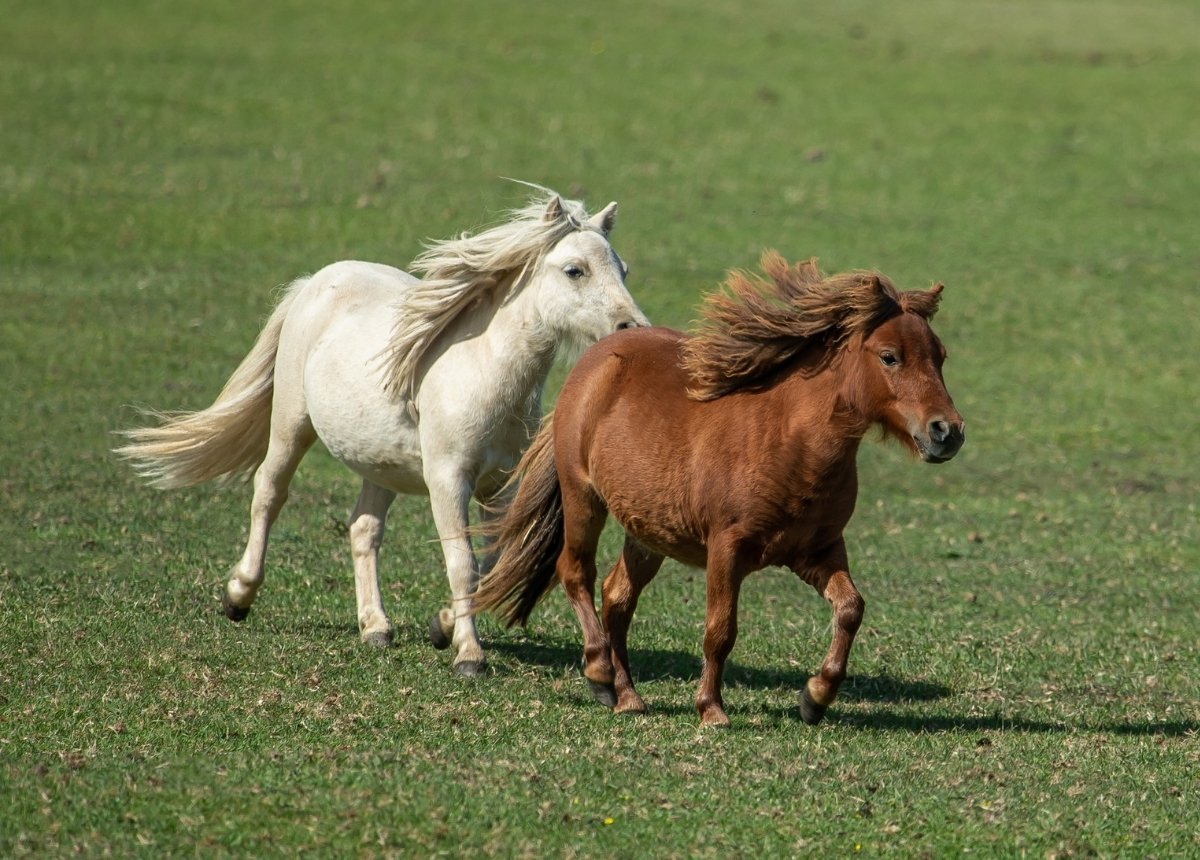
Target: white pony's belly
369, 431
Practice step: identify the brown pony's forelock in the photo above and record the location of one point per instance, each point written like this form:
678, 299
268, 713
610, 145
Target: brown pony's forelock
756, 325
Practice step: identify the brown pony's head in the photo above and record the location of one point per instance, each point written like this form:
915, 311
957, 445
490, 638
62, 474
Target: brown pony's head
897, 376
892, 360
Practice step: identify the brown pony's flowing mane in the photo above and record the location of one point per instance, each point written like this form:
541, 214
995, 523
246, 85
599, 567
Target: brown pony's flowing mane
756, 325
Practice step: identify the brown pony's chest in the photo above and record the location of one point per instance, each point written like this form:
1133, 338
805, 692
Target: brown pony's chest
786, 526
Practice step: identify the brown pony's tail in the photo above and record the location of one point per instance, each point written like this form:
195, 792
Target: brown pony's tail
526, 538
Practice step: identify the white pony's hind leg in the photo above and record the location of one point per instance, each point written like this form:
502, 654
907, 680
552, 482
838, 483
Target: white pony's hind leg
449, 497
287, 447
366, 535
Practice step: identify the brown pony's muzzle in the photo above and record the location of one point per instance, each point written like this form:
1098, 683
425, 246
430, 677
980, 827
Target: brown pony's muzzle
941, 439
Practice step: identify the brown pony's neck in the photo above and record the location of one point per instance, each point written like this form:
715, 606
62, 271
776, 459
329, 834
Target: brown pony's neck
824, 422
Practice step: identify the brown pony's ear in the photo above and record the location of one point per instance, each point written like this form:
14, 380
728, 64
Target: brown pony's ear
883, 289
923, 303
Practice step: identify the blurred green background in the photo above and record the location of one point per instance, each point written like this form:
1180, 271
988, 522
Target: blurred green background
1026, 678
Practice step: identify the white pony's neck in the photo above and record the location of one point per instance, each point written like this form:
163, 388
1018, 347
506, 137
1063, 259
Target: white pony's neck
518, 345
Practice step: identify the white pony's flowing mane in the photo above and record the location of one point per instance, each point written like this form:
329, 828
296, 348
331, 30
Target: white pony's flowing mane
456, 271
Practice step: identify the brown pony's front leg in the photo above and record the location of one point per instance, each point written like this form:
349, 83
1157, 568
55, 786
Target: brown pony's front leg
633, 570
720, 631
835, 586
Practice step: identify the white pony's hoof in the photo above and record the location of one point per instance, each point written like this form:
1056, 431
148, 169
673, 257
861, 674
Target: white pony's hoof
378, 639
470, 668
233, 613
437, 636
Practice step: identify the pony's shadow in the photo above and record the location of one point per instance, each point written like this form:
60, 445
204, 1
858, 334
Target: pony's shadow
917, 724
658, 664
888, 691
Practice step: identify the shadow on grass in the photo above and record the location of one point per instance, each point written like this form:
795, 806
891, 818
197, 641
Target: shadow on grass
891, 721
656, 664
662, 664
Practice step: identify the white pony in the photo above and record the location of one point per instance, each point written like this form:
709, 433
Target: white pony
420, 386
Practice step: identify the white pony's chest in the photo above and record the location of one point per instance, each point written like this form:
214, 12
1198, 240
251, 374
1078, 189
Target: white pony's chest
488, 421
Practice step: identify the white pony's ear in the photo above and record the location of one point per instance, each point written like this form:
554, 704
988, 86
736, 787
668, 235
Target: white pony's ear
554, 210
605, 219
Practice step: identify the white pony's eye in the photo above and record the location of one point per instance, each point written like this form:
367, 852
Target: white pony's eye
573, 272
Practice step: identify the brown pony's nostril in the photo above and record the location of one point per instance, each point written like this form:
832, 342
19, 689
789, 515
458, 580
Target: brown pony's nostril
939, 431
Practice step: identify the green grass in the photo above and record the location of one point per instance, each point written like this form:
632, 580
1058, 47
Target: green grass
1025, 680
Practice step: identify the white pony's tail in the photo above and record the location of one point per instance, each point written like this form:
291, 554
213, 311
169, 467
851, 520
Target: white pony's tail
226, 440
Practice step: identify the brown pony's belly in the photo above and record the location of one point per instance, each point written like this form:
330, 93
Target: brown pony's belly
666, 541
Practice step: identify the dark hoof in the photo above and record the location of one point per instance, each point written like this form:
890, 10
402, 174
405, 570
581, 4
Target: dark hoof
605, 694
810, 711
233, 613
378, 639
471, 668
437, 636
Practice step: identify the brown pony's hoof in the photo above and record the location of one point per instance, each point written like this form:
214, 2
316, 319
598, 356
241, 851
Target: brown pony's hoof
810, 711
437, 636
605, 694
629, 703
469, 668
713, 716
378, 639
233, 613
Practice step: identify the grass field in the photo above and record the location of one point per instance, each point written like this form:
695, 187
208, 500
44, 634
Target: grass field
1025, 682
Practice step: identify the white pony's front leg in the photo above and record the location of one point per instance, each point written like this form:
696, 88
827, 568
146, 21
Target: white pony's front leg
449, 497
366, 535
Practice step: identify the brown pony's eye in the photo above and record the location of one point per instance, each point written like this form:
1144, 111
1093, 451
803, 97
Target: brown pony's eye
889, 358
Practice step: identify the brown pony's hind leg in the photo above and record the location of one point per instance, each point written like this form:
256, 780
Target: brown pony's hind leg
633, 570
583, 520
847, 604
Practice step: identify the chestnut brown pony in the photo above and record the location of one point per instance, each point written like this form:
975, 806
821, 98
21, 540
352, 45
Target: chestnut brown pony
732, 449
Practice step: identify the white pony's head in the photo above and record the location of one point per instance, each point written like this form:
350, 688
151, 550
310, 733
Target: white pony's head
578, 285
549, 256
